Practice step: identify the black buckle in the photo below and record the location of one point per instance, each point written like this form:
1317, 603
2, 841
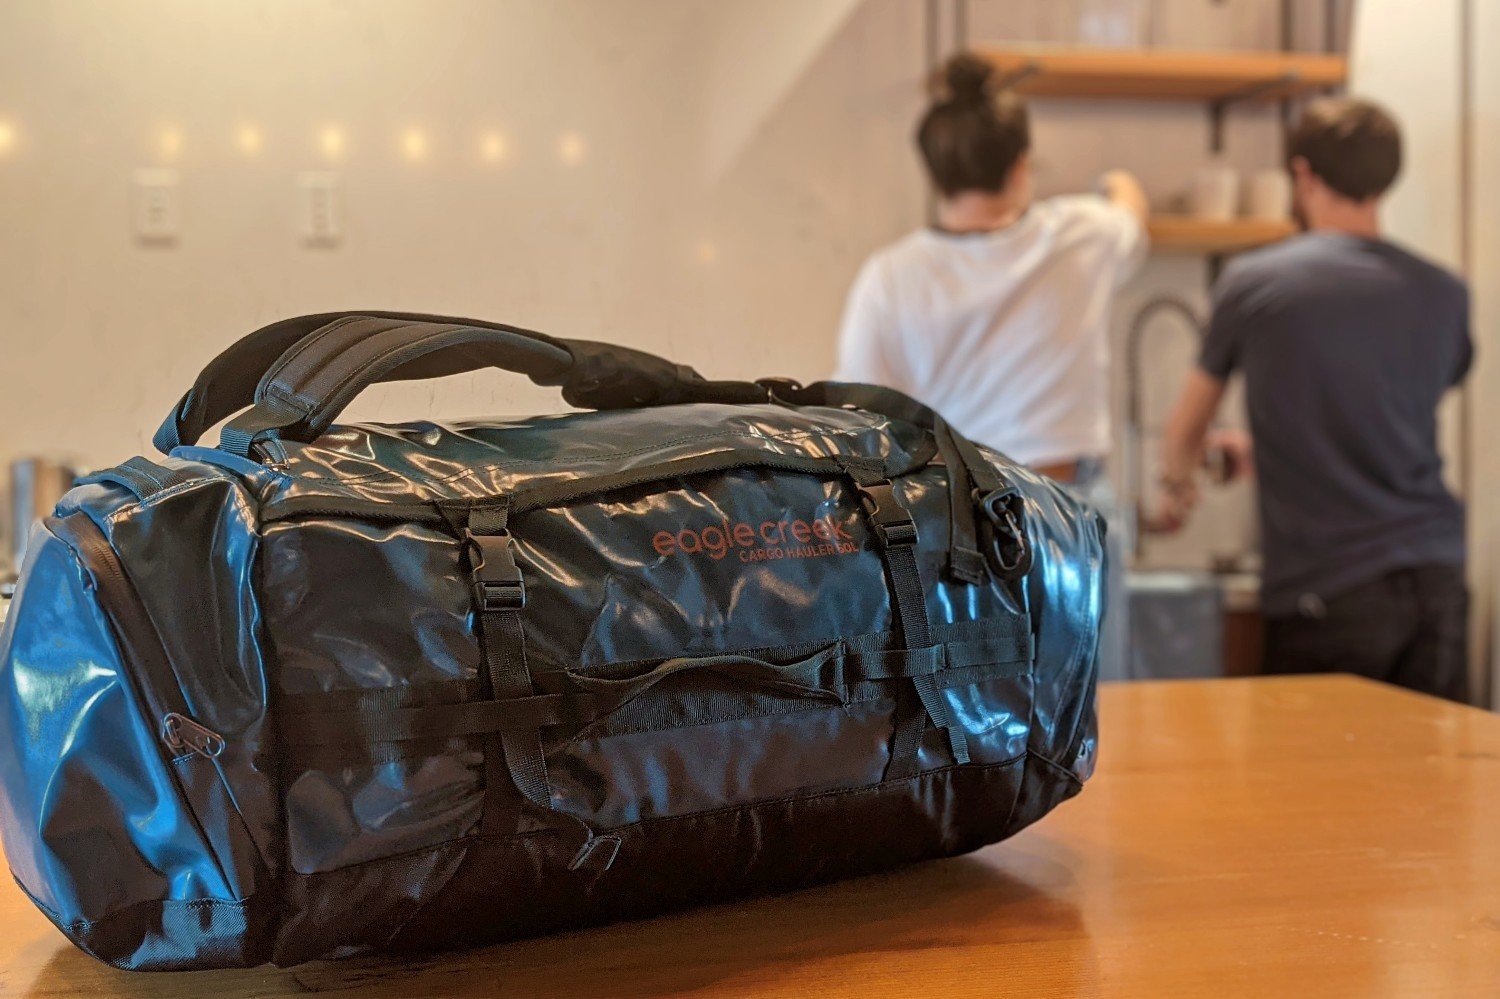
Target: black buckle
496, 581
1008, 550
892, 522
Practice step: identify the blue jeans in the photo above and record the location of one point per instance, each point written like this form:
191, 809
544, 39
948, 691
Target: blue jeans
1092, 483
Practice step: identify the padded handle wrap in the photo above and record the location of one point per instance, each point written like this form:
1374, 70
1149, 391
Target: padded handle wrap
300, 373
324, 371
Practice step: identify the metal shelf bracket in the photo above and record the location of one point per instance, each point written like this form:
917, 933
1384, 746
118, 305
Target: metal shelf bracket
1219, 105
1016, 76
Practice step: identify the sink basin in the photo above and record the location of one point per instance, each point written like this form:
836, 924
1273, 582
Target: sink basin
1178, 619
1176, 624
1241, 591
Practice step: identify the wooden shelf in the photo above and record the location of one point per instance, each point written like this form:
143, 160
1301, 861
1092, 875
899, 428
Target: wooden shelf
1165, 75
1186, 234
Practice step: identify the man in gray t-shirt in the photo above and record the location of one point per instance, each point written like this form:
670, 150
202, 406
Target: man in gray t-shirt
1347, 344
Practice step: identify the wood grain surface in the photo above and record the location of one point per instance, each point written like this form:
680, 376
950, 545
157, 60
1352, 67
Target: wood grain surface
1163, 74
1256, 837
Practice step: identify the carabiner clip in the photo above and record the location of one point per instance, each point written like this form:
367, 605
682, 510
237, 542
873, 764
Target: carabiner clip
1007, 549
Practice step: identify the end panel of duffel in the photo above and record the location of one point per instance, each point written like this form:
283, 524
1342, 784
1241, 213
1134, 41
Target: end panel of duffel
131, 713
1067, 588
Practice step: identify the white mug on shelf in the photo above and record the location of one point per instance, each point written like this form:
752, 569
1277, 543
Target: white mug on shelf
1215, 193
1114, 23
1268, 195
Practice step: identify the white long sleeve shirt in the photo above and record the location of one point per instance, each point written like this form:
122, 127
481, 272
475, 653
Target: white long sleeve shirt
1006, 333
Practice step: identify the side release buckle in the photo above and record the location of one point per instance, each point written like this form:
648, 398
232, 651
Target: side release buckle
892, 521
496, 580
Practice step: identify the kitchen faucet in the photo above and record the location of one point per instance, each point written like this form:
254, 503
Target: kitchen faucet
1135, 490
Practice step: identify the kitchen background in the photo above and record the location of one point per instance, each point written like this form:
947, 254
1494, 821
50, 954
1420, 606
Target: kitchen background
699, 178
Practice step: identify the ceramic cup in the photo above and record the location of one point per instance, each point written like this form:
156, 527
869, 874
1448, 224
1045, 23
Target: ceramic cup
1215, 193
1268, 195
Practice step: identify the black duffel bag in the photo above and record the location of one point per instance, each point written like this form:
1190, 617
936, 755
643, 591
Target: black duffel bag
328, 690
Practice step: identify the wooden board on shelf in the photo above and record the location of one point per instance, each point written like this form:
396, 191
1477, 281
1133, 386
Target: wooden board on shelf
1186, 234
1165, 75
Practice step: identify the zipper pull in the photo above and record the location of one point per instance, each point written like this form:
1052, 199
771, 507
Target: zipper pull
180, 732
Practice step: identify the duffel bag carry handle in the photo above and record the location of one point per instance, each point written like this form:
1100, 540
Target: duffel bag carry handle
227, 384
300, 373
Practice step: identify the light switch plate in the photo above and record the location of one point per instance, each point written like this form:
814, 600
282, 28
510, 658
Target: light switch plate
321, 207
155, 206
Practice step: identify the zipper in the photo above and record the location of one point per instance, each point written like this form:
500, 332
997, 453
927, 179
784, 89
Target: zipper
180, 732
550, 494
158, 691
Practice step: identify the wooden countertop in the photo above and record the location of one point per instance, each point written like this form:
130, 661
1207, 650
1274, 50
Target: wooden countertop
1257, 837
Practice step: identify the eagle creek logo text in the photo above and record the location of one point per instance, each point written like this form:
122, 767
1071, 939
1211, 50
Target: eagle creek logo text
763, 542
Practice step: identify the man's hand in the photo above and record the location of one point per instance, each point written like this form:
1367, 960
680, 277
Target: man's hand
1229, 455
1169, 511
1183, 450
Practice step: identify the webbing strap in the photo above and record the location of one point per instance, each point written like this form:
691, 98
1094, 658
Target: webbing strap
965, 562
374, 723
141, 476
1001, 649
242, 432
895, 533
980, 470
367, 717
499, 594
906, 587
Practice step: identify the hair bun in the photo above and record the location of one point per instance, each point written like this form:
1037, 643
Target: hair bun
969, 78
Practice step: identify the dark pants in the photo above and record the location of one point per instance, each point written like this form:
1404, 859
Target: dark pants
1409, 627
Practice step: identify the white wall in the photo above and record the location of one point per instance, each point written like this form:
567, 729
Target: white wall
1421, 85
740, 270
1484, 277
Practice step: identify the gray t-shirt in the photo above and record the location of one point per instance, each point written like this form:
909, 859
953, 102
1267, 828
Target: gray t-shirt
1347, 346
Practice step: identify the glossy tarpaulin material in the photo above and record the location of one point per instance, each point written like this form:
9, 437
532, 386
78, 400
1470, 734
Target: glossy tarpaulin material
249, 709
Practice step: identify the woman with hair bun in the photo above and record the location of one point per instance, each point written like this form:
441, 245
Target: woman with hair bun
998, 315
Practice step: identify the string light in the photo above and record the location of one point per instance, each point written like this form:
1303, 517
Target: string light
331, 142
414, 145
572, 147
492, 147
169, 142
249, 139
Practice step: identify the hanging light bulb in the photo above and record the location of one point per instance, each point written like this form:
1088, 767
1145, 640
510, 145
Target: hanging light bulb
331, 142
414, 145
248, 139
169, 142
492, 147
572, 148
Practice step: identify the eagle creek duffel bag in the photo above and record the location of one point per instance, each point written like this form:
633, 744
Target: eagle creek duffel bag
327, 690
